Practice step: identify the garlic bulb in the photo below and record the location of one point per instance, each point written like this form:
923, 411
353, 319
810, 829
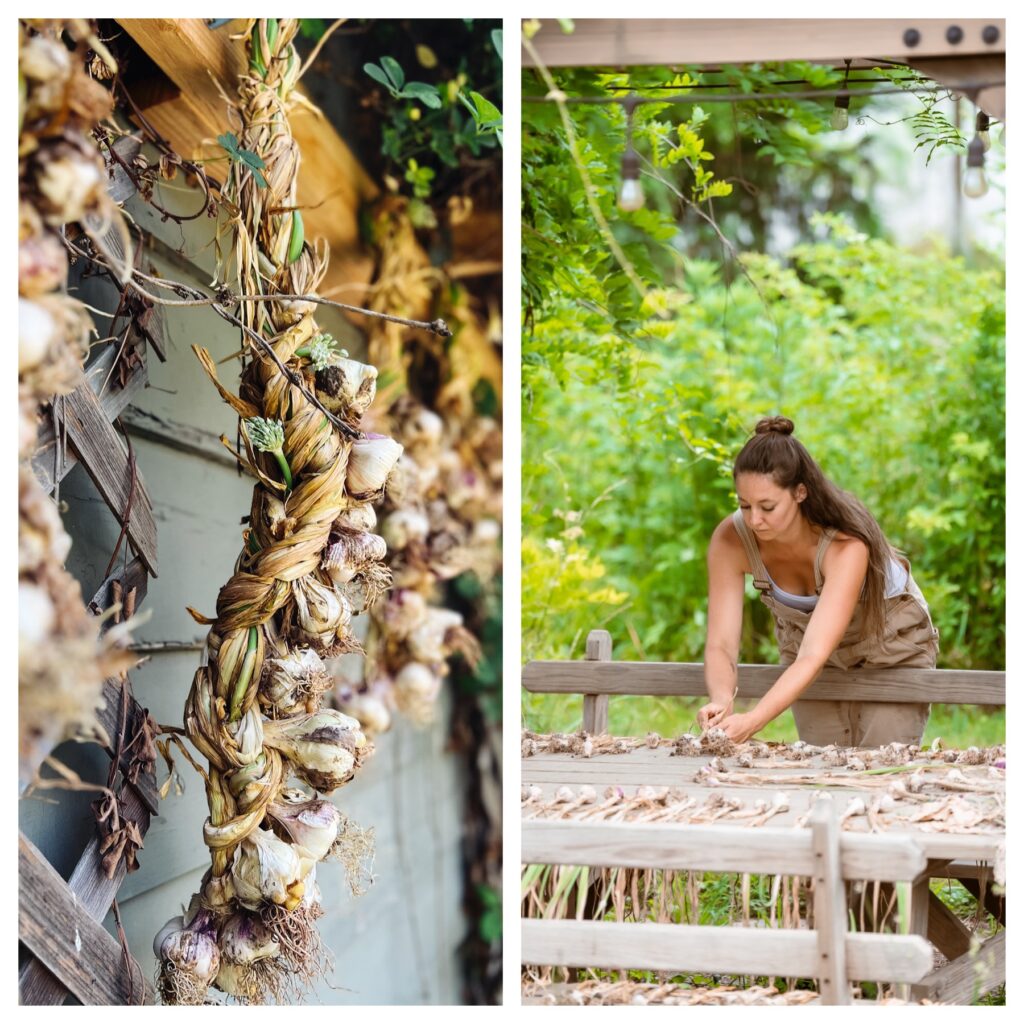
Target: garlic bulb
37, 331
285, 679
189, 961
346, 386
403, 527
416, 690
485, 531
244, 939
325, 748
266, 869
427, 640
358, 519
371, 460
311, 822
248, 734
36, 614
350, 552
323, 613
403, 611
424, 429
71, 185
372, 713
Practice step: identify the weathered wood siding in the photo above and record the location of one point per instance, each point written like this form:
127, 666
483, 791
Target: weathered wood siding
397, 943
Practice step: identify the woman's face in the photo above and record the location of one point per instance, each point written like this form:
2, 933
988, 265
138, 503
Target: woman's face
768, 510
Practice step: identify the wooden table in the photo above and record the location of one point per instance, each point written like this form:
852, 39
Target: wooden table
967, 855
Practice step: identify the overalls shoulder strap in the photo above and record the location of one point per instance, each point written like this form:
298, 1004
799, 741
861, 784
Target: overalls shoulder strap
760, 573
826, 538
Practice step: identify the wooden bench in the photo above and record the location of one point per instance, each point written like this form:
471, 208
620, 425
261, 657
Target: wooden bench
598, 677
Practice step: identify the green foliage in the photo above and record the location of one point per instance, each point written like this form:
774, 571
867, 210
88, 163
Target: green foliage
390, 74
489, 924
246, 157
891, 365
442, 125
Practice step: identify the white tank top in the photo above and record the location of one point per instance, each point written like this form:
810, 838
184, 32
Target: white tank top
895, 583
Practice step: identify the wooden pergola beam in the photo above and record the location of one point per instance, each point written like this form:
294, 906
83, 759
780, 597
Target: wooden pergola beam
191, 109
632, 42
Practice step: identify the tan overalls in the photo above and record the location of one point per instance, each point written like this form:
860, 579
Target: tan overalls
909, 641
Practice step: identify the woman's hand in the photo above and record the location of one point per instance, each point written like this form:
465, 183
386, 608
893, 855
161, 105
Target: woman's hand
712, 714
739, 728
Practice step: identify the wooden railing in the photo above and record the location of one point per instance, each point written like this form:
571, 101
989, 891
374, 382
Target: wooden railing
597, 677
828, 952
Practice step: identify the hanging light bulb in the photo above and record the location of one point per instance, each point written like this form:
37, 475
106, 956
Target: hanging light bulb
981, 127
841, 110
841, 113
975, 184
631, 194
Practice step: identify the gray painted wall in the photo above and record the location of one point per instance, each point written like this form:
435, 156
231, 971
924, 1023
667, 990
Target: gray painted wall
398, 942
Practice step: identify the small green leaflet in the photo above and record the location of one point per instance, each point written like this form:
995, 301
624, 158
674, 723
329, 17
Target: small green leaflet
486, 115
244, 156
390, 74
496, 39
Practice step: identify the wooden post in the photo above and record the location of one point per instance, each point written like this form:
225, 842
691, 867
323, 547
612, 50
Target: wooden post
595, 705
829, 906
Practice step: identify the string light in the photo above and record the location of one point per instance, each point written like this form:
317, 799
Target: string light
841, 110
631, 193
981, 127
975, 184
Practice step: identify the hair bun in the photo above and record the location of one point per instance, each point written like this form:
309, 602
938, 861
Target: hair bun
774, 425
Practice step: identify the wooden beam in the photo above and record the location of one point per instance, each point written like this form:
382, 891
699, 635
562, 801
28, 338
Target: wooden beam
204, 66
48, 468
100, 449
686, 679
716, 949
638, 42
69, 941
595, 706
770, 851
970, 976
829, 906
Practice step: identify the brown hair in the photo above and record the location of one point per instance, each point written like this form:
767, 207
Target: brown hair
774, 452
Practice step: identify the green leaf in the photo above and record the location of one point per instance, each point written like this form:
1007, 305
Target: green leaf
380, 76
496, 39
426, 94
486, 111
230, 142
394, 71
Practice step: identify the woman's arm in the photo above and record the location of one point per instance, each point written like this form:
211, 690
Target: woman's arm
845, 572
725, 623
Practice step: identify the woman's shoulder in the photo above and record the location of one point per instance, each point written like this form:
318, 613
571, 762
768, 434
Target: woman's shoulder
845, 548
726, 544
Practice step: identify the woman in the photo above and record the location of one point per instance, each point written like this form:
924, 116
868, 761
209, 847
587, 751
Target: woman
840, 594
